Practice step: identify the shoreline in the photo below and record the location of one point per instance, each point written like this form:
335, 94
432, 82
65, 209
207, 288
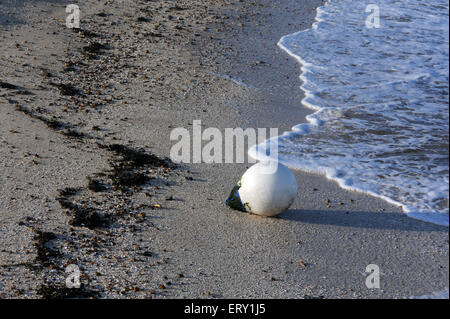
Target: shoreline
157, 77
434, 217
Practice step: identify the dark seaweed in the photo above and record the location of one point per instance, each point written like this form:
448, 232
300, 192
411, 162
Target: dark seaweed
44, 253
68, 191
83, 216
94, 48
96, 186
88, 217
73, 133
8, 86
52, 123
67, 89
84, 32
122, 176
125, 171
137, 158
51, 291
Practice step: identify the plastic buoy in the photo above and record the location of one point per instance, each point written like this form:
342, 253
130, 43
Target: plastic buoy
264, 189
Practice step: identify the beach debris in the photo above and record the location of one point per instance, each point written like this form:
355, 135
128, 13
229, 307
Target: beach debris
265, 189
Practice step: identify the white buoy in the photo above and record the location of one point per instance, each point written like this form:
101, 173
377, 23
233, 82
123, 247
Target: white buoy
264, 189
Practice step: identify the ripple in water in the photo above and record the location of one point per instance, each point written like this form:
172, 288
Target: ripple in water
381, 99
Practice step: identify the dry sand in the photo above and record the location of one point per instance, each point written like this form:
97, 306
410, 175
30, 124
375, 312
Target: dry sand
139, 226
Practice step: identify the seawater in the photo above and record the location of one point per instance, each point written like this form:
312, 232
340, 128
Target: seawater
381, 100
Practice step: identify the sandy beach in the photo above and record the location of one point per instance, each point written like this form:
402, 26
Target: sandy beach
86, 180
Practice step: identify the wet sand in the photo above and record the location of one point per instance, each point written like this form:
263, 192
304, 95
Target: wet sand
86, 117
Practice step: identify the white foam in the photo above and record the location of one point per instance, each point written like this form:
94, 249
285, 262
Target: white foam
380, 98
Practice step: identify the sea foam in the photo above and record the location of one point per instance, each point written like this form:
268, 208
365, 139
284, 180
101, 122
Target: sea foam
380, 97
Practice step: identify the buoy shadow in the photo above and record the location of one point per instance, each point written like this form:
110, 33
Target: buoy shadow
371, 220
